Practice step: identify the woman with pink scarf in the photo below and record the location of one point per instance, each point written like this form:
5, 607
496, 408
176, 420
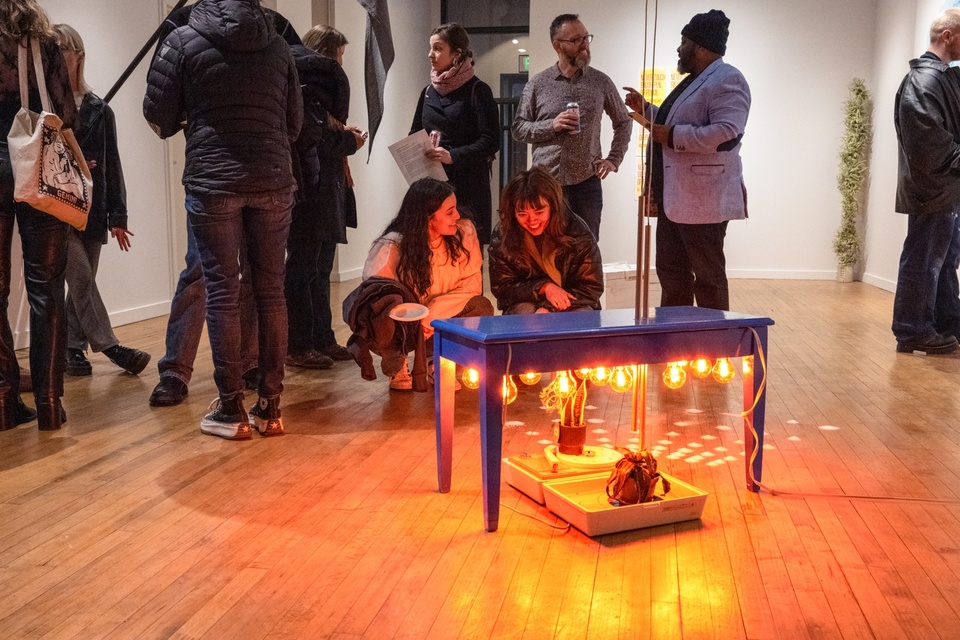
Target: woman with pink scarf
459, 112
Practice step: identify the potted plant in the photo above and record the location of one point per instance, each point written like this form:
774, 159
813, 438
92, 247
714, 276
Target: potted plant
852, 178
567, 393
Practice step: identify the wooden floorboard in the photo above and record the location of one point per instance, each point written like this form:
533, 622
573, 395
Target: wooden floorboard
129, 523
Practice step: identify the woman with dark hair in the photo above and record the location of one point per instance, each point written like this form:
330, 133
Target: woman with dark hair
41, 235
434, 256
460, 107
543, 257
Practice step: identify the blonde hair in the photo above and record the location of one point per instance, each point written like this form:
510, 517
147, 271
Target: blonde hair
69, 40
19, 18
948, 20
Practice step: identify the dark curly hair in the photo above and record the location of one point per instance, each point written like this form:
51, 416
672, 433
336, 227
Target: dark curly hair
422, 200
533, 188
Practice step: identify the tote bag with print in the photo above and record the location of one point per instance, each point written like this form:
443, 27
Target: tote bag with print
49, 171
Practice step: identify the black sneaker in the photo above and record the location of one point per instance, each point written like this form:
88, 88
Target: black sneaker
169, 392
266, 417
227, 419
937, 345
77, 363
336, 352
309, 360
131, 360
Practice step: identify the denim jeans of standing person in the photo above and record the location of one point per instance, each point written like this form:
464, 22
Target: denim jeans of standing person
586, 200
223, 226
188, 313
927, 300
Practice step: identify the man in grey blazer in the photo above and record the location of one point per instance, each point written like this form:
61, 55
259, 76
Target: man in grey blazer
696, 176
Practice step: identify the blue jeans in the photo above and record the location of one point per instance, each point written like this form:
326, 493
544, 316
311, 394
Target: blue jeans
586, 200
187, 312
927, 301
223, 226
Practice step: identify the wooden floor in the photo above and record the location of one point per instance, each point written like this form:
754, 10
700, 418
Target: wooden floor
131, 524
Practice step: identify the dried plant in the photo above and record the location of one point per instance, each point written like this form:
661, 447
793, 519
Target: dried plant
852, 177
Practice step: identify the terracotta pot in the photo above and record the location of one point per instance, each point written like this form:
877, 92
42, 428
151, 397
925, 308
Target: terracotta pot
571, 439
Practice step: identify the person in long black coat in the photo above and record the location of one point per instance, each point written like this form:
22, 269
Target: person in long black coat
462, 109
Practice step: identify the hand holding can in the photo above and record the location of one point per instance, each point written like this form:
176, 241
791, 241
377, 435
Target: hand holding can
575, 107
435, 137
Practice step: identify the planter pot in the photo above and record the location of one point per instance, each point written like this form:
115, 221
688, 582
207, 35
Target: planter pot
845, 273
571, 439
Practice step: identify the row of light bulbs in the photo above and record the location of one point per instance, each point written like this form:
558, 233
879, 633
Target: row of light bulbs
620, 379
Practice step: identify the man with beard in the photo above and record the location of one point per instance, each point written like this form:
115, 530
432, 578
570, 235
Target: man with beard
696, 176
566, 139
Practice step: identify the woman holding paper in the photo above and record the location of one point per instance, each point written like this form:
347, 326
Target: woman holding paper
543, 258
459, 109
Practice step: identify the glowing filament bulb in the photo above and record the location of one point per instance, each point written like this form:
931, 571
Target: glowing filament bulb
723, 370
564, 385
747, 365
509, 390
701, 367
600, 376
582, 374
674, 376
470, 378
621, 379
531, 377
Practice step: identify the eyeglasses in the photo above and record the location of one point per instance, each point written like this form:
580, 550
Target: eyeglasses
578, 41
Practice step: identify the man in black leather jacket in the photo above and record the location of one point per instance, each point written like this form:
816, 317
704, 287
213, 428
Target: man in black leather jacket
926, 308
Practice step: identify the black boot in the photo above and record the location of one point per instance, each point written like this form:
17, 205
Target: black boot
50, 414
8, 414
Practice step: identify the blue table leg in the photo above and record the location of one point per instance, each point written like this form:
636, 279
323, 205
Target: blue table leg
753, 423
491, 438
444, 397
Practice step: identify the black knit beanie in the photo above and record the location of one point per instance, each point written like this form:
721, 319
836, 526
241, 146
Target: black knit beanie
709, 30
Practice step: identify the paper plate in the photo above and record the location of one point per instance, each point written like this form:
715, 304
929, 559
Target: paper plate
409, 312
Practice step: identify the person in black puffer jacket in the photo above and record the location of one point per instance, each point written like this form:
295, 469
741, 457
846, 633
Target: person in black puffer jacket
543, 258
233, 81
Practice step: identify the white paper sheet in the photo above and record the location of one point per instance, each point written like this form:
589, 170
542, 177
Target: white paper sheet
409, 156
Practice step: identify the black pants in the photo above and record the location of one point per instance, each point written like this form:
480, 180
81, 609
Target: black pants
43, 239
691, 265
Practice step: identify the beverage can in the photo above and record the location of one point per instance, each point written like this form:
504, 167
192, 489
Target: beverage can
435, 138
575, 106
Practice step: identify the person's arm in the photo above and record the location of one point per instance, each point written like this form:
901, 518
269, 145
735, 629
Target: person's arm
526, 125
583, 277
57, 79
622, 124
294, 98
116, 190
382, 260
163, 102
488, 124
932, 149
727, 111
509, 282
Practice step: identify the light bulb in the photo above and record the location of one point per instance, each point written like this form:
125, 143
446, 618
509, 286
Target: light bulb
509, 390
600, 376
621, 379
747, 365
470, 378
701, 367
530, 377
723, 370
674, 376
564, 385
581, 374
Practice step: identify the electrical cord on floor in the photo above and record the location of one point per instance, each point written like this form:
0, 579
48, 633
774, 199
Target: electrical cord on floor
538, 519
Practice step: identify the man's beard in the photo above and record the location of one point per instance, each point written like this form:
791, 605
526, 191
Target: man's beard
579, 60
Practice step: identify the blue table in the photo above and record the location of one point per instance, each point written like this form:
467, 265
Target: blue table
495, 345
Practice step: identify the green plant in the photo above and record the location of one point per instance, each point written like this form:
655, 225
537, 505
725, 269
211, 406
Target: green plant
852, 177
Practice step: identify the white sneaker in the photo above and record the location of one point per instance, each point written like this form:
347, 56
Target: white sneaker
401, 380
227, 420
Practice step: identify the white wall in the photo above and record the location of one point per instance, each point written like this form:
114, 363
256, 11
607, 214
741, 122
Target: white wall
798, 57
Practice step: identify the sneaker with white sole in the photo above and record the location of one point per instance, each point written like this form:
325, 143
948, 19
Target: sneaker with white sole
266, 417
431, 380
401, 380
227, 419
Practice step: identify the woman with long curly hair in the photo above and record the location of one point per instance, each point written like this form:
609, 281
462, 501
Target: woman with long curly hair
42, 236
543, 257
429, 249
